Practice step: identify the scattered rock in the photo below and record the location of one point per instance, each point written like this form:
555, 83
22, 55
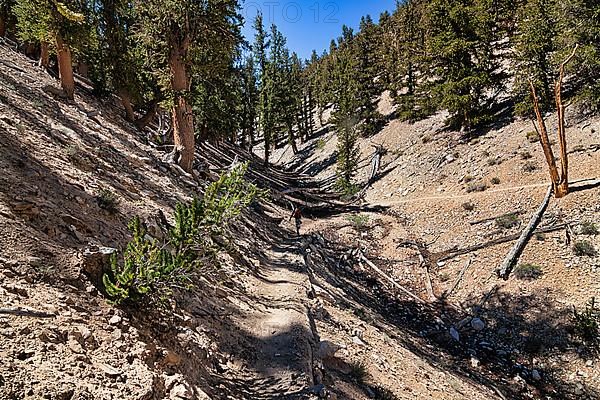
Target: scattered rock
95, 260
477, 324
75, 346
454, 333
181, 391
535, 374
108, 370
115, 320
34, 262
474, 362
328, 349
358, 341
24, 354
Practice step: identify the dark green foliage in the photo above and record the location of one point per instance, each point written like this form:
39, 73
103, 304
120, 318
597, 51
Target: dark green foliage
587, 323
589, 228
534, 44
476, 187
462, 63
151, 268
508, 221
530, 167
533, 137
528, 272
382, 393
468, 206
107, 200
359, 372
584, 249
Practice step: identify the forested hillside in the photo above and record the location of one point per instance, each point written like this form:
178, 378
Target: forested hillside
188, 213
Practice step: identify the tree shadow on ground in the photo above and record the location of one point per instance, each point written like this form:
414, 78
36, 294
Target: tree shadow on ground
519, 328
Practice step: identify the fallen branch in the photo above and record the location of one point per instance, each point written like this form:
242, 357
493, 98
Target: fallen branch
511, 258
23, 312
459, 278
448, 255
389, 279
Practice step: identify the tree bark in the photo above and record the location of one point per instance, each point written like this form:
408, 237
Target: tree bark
65, 67
183, 120
126, 102
44, 55
142, 122
2, 24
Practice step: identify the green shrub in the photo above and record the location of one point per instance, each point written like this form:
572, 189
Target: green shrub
495, 181
359, 220
530, 167
321, 144
468, 178
587, 323
359, 372
584, 249
346, 189
508, 221
468, 206
526, 155
589, 228
476, 187
528, 271
533, 137
444, 277
107, 200
150, 268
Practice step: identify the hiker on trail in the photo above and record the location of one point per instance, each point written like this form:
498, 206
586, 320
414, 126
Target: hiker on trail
297, 215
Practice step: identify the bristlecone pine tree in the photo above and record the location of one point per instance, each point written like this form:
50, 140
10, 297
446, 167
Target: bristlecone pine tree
176, 33
63, 23
462, 64
534, 46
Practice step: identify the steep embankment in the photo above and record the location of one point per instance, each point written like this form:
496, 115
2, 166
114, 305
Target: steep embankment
244, 332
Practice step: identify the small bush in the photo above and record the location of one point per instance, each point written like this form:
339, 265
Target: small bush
587, 323
495, 181
150, 268
584, 249
540, 237
359, 372
533, 137
494, 161
526, 155
359, 220
508, 221
528, 271
477, 187
468, 206
530, 167
321, 144
444, 277
107, 200
426, 139
589, 228
346, 189
468, 178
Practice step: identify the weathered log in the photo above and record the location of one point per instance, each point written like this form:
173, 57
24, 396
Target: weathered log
459, 278
511, 258
23, 312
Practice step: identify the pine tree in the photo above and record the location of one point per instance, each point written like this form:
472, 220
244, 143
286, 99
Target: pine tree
6, 17
534, 47
364, 48
64, 24
461, 59
344, 117
579, 22
265, 84
177, 36
249, 94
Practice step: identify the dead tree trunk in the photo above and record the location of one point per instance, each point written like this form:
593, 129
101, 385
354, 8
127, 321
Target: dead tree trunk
560, 183
65, 67
44, 55
183, 120
2, 24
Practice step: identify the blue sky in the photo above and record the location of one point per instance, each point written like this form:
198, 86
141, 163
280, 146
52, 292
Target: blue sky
311, 24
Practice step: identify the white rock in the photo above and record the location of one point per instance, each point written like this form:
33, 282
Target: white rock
115, 320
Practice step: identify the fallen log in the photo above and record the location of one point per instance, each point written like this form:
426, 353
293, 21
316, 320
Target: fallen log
448, 255
390, 280
459, 278
23, 312
511, 258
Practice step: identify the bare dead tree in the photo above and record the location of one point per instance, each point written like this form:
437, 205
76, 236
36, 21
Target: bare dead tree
560, 183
